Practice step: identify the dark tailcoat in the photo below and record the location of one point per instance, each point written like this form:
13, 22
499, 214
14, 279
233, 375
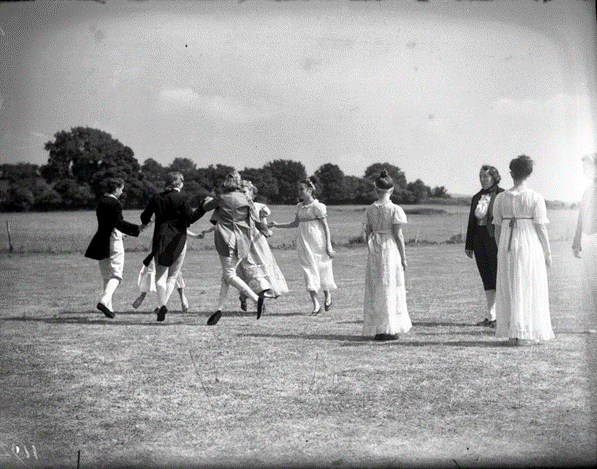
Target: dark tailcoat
472, 219
481, 240
109, 216
173, 214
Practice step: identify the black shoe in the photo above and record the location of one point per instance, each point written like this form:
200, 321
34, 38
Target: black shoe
243, 303
260, 305
315, 313
162, 313
492, 324
104, 309
214, 318
384, 337
485, 322
327, 306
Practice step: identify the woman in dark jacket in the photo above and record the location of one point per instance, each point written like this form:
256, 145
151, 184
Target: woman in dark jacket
173, 214
107, 246
480, 237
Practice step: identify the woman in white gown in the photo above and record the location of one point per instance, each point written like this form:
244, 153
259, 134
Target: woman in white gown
522, 299
385, 312
585, 239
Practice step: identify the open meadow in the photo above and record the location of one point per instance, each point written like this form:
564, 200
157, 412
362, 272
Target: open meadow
289, 390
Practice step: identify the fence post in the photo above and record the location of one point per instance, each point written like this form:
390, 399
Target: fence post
10, 248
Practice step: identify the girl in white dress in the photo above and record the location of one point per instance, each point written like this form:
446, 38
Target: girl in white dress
261, 271
385, 311
313, 245
522, 299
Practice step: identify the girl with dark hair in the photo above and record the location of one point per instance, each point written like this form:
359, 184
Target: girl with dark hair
480, 237
107, 246
313, 245
385, 311
522, 298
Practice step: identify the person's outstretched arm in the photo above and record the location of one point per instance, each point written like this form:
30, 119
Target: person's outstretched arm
292, 224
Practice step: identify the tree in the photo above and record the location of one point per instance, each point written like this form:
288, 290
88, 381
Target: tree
331, 178
74, 195
440, 192
419, 190
88, 156
288, 173
184, 166
153, 172
358, 190
18, 199
212, 176
397, 175
262, 179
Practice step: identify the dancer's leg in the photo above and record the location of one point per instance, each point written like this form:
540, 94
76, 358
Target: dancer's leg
490, 296
223, 293
109, 290
316, 305
229, 265
139, 299
161, 277
173, 273
180, 286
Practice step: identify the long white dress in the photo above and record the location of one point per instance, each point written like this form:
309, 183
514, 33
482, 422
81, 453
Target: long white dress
311, 247
522, 298
385, 310
260, 270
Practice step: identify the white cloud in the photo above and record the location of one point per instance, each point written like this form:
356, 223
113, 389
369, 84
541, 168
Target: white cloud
219, 106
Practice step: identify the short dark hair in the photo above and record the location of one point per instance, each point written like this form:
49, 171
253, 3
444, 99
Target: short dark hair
493, 172
111, 184
384, 181
174, 179
311, 182
521, 167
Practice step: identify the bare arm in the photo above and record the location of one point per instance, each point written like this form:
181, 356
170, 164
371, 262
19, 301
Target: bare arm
366, 232
292, 224
399, 237
541, 230
576, 244
328, 237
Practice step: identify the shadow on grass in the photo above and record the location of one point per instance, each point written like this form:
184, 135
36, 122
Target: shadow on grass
141, 318
337, 337
371, 340
424, 324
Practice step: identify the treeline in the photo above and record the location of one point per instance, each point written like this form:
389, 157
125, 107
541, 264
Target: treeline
80, 159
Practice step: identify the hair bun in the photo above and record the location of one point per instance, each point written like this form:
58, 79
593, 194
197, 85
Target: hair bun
383, 174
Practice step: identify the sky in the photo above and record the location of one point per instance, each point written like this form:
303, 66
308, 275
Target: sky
437, 88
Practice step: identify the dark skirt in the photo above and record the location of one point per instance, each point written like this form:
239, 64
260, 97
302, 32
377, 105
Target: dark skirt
485, 249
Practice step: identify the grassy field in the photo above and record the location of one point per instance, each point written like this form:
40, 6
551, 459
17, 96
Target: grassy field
288, 390
52, 232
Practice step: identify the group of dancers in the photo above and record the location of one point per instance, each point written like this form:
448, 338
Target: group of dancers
506, 235
240, 228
